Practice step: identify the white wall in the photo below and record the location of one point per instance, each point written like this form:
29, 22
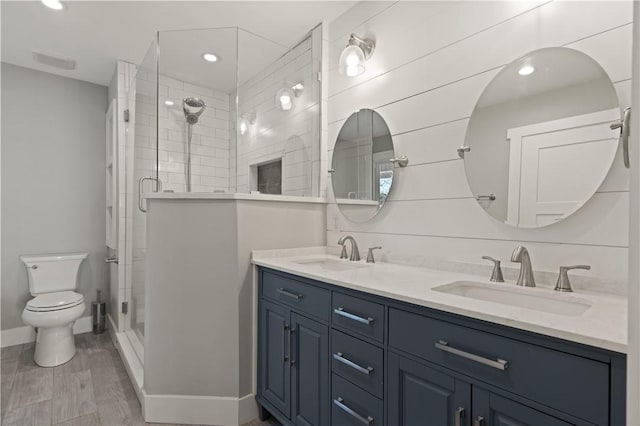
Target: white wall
426, 91
53, 190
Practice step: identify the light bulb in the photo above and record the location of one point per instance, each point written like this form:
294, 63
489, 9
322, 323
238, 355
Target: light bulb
169, 103
285, 99
352, 71
351, 61
243, 127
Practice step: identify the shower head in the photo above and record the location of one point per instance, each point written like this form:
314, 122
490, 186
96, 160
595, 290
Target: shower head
193, 108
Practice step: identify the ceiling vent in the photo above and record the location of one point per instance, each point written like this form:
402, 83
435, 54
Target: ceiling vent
54, 61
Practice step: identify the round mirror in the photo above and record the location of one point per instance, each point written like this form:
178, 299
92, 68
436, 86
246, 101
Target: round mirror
538, 142
362, 174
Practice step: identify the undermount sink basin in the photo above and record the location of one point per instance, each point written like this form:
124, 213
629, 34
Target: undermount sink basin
562, 304
332, 264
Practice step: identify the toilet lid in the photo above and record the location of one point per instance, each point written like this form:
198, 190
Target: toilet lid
55, 301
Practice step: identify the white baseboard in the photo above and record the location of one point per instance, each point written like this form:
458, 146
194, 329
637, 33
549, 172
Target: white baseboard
27, 334
248, 409
195, 409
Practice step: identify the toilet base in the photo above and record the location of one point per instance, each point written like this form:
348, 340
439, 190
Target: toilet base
54, 345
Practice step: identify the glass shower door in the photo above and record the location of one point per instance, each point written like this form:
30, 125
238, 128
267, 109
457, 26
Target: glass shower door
142, 177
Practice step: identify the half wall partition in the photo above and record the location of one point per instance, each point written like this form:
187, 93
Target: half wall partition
217, 111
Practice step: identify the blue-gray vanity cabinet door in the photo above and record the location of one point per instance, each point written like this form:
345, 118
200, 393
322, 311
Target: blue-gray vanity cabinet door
310, 372
275, 373
490, 409
419, 395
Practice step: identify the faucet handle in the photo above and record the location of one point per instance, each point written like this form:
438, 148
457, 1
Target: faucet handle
563, 283
370, 258
496, 274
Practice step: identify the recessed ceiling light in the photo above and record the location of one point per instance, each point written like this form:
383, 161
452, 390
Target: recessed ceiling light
210, 57
53, 4
526, 70
169, 103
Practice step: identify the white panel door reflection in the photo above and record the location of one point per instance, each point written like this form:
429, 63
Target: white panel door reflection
555, 166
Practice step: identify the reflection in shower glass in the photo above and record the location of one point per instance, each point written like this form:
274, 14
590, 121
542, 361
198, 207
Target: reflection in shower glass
241, 125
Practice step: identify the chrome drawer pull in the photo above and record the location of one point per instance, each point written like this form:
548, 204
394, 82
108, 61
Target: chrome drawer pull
459, 415
500, 364
351, 316
339, 357
364, 420
479, 421
289, 294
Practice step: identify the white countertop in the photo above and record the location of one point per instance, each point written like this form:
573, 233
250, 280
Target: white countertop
602, 325
230, 196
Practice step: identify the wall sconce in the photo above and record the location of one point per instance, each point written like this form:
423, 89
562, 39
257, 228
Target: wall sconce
286, 95
353, 57
247, 119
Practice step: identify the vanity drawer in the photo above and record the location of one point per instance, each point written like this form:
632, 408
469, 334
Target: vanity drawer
303, 297
569, 383
351, 406
359, 362
359, 316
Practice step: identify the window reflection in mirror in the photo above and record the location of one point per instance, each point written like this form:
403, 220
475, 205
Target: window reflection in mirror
362, 173
540, 138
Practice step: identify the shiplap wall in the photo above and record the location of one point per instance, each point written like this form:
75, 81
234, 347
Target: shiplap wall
432, 62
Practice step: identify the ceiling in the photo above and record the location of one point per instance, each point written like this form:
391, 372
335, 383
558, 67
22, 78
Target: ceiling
97, 33
555, 68
181, 56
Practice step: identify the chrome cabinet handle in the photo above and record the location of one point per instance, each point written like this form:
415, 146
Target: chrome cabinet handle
287, 293
285, 333
292, 344
364, 420
111, 259
343, 313
459, 415
479, 421
500, 364
339, 357
624, 126
34, 267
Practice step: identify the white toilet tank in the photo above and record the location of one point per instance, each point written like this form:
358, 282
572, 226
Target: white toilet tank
52, 272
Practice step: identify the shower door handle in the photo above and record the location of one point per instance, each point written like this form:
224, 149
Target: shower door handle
141, 187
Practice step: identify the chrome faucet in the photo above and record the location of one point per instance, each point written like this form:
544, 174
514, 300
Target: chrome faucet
521, 255
355, 252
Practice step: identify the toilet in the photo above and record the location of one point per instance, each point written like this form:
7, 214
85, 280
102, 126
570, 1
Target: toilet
55, 307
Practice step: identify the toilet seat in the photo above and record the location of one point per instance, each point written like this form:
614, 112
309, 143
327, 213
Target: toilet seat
56, 301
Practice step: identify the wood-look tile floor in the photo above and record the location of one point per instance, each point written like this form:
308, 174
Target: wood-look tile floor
93, 389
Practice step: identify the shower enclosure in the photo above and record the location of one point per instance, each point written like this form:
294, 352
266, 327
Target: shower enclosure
220, 111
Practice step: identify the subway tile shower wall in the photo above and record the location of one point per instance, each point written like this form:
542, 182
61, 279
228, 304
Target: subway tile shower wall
209, 144
426, 92
293, 135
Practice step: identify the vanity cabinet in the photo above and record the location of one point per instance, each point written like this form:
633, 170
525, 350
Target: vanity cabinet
333, 356
294, 364
420, 395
